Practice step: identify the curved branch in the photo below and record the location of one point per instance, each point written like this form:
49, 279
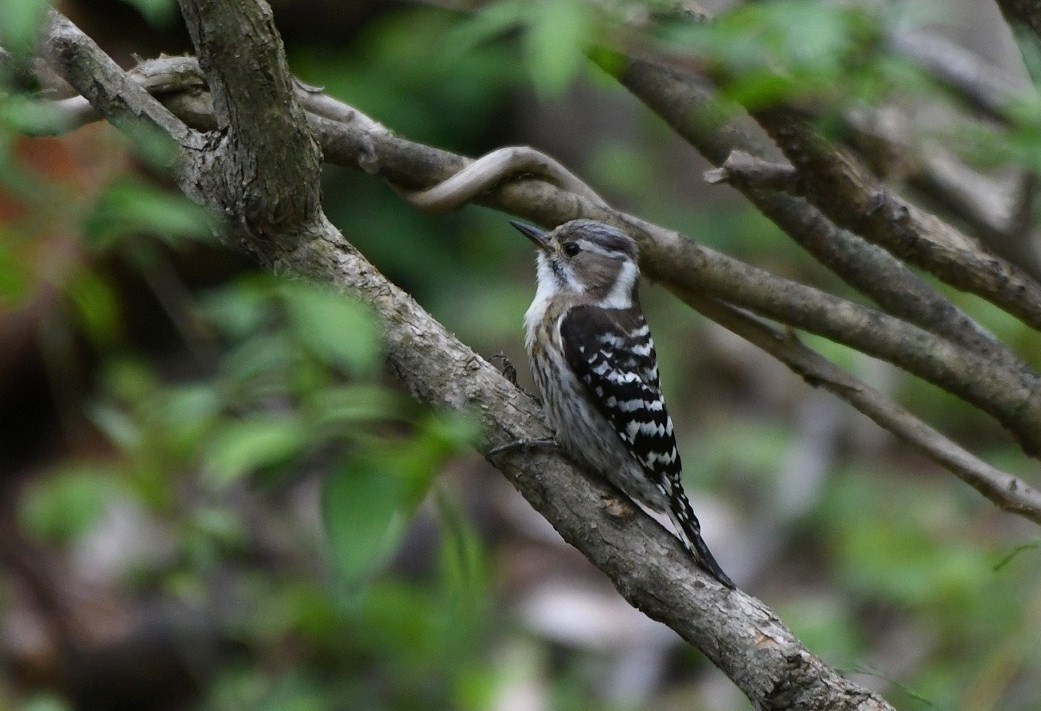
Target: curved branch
488, 170
1007, 391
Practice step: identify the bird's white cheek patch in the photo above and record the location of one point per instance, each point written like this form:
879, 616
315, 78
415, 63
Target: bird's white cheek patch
620, 296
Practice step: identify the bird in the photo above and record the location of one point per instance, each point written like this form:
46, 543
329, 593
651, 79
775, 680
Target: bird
594, 365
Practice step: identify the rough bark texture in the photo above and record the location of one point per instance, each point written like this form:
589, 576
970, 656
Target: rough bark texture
271, 193
1011, 394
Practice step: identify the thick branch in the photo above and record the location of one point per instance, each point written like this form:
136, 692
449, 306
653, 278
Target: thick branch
179, 79
1009, 393
737, 632
266, 163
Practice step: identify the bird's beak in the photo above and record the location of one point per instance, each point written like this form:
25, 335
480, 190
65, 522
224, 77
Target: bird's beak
536, 235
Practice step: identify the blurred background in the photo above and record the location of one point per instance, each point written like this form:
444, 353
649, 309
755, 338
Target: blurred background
212, 496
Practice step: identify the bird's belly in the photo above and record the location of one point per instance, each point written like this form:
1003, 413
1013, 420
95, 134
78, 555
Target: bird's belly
590, 439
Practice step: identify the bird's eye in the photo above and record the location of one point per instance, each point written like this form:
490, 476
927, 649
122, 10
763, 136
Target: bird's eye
571, 249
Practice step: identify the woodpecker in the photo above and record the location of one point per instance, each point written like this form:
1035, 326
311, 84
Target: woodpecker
593, 362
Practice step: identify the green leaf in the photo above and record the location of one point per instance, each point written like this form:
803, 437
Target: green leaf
241, 308
494, 20
336, 329
65, 506
354, 403
128, 208
463, 564
158, 13
244, 446
118, 425
557, 35
20, 22
364, 513
14, 276
96, 307
367, 504
45, 702
21, 114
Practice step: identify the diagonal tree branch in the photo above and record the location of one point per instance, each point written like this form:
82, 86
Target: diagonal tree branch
840, 186
978, 83
691, 110
1012, 394
96, 76
1006, 491
843, 189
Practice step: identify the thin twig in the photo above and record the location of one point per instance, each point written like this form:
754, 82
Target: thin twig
744, 170
691, 110
983, 86
1006, 491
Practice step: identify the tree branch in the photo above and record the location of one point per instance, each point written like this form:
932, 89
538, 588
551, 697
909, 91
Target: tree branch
843, 189
980, 84
1006, 491
101, 81
690, 110
1009, 392
271, 186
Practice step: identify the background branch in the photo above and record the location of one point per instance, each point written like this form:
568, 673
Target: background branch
844, 190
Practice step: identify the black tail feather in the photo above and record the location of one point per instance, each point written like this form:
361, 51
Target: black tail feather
689, 531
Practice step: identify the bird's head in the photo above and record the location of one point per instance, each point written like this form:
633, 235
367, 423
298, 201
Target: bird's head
588, 258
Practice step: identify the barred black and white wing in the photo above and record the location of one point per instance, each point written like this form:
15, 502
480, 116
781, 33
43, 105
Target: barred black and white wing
612, 354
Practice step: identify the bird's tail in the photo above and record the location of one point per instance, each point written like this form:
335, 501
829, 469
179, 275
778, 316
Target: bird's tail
689, 530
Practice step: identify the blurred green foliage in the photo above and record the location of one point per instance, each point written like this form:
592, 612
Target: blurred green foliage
247, 392
19, 24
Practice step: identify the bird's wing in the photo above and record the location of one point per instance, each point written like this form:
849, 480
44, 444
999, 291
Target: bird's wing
612, 353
